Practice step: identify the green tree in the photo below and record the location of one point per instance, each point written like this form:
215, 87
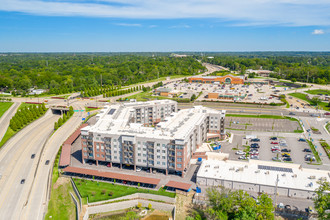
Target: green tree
193, 97
315, 100
265, 207
149, 206
55, 126
322, 200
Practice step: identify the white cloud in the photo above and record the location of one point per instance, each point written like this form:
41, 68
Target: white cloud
243, 12
181, 26
318, 31
128, 25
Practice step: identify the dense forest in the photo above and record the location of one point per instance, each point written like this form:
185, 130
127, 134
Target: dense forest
307, 68
62, 73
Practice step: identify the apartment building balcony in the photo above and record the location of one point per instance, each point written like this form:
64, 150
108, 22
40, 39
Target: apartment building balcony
151, 157
150, 163
150, 152
90, 156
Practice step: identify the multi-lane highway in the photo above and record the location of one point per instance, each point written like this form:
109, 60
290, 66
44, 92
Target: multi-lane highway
16, 164
36, 202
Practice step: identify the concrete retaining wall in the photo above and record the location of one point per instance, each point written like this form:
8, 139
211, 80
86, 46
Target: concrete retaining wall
76, 204
138, 196
128, 204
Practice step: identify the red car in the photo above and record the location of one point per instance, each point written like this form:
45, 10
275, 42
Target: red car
273, 142
327, 113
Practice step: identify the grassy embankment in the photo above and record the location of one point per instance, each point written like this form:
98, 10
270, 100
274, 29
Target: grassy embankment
98, 191
4, 106
10, 132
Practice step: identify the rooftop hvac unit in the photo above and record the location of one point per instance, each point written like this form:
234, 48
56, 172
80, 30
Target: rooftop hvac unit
311, 177
257, 171
216, 167
294, 176
232, 168
267, 172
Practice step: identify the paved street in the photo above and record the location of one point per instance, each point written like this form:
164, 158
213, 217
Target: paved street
16, 164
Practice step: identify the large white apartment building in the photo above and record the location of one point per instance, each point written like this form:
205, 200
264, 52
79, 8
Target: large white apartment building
150, 134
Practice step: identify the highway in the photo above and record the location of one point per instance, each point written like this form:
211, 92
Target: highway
16, 164
37, 201
5, 119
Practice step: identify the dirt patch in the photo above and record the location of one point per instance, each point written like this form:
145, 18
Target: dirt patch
61, 181
183, 205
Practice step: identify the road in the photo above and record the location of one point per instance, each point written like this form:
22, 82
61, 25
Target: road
16, 164
37, 201
5, 119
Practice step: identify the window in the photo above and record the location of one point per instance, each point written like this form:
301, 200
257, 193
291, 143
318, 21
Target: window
98, 155
179, 153
139, 142
102, 155
139, 154
139, 160
179, 159
144, 155
84, 142
85, 148
163, 157
115, 157
158, 162
85, 154
158, 151
163, 145
179, 165
163, 163
115, 151
102, 148
158, 144
144, 161
158, 157
163, 151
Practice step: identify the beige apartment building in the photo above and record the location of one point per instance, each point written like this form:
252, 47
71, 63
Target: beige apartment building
153, 135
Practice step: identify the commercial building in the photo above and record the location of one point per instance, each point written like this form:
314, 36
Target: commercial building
150, 134
261, 177
228, 79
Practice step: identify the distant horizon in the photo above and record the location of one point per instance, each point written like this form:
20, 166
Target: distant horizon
260, 51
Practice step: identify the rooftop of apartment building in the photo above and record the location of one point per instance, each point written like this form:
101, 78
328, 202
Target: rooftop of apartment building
115, 119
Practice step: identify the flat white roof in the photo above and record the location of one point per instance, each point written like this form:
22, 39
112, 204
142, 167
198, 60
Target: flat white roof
115, 119
263, 173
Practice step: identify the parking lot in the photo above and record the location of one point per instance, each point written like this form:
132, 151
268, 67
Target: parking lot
253, 93
261, 124
289, 143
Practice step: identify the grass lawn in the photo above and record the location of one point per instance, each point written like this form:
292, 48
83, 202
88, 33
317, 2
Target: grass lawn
98, 191
23, 105
315, 152
9, 133
328, 127
318, 91
4, 106
60, 205
326, 147
88, 109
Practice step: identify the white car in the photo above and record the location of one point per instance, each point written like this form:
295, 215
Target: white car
138, 169
240, 152
253, 157
242, 157
276, 148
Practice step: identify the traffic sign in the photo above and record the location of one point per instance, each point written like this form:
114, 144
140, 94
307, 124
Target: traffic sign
83, 119
87, 113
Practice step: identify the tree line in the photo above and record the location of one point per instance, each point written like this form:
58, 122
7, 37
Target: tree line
66, 73
308, 68
26, 115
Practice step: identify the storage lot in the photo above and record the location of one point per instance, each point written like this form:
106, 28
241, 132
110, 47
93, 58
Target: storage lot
261, 124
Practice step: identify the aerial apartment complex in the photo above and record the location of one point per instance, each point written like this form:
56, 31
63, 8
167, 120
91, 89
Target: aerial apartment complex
150, 134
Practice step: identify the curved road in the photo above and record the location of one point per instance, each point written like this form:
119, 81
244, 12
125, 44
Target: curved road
5, 119
16, 163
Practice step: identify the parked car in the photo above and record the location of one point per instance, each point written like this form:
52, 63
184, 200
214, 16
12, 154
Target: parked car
287, 159
275, 147
138, 169
292, 113
33, 156
302, 139
47, 162
288, 154
276, 159
242, 157
254, 157
273, 138
240, 152
327, 113
308, 130
274, 142
22, 181
255, 140
285, 150
254, 145
307, 150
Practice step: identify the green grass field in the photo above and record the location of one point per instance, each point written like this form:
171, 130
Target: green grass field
101, 190
60, 205
23, 105
318, 91
9, 133
4, 106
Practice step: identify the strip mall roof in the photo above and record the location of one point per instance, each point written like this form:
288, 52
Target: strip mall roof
112, 175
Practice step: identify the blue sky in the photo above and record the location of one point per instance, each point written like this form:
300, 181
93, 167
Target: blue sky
164, 25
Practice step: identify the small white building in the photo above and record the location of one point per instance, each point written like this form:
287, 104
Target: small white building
261, 176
